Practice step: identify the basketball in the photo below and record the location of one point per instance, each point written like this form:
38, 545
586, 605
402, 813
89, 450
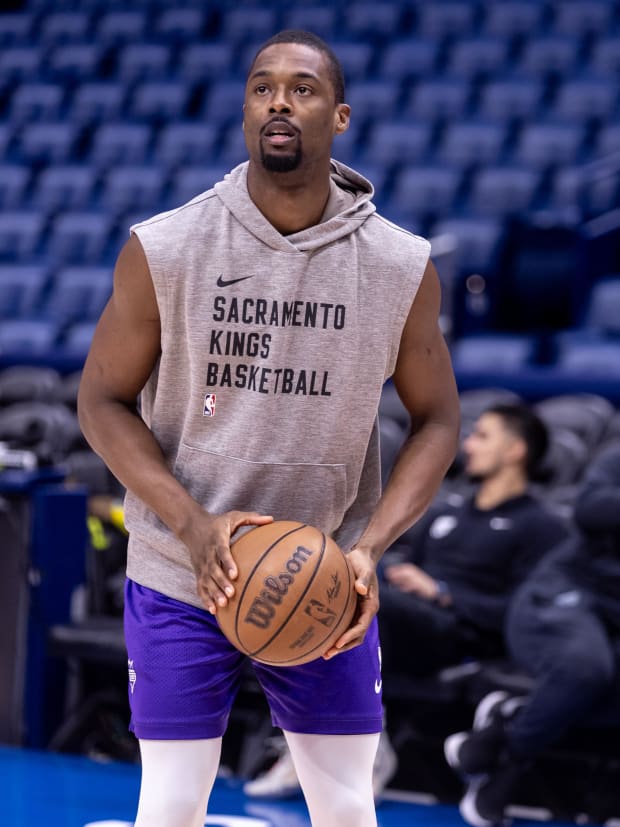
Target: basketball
294, 596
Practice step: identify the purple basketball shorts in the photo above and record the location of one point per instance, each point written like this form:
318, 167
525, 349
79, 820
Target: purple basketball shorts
184, 675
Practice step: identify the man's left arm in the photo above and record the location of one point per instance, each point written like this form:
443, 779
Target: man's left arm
425, 383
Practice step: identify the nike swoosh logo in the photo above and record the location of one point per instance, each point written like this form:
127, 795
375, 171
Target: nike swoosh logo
227, 282
378, 685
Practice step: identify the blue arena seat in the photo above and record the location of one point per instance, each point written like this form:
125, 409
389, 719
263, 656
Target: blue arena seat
452, 17
75, 61
248, 23
512, 18
78, 337
511, 98
603, 312
549, 54
115, 143
398, 142
425, 191
19, 63
574, 189
180, 25
7, 132
372, 99
64, 27
65, 186
16, 28
466, 143
189, 181
478, 241
231, 147
608, 139
355, 58
224, 102
27, 336
98, 102
346, 147
201, 62
21, 232
581, 17
119, 26
142, 61
502, 190
407, 59
440, 99
78, 294
541, 145
79, 237
605, 55
584, 97
132, 187
500, 353
472, 57
47, 142
590, 359
160, 100
371, 20
186, 142
21, 290
320, 19
14, 181
36, 102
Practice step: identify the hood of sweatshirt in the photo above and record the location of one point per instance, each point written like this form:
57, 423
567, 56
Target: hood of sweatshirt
350, 190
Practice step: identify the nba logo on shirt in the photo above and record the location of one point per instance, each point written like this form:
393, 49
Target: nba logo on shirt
209, 406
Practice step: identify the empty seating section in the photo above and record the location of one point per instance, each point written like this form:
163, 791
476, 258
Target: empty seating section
466, 114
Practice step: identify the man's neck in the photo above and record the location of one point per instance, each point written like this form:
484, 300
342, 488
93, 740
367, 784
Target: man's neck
290, 201
500, 488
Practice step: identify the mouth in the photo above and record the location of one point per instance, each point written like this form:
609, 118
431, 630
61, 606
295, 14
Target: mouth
279, 133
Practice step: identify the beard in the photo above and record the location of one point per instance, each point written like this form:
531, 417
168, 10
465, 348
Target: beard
281, 163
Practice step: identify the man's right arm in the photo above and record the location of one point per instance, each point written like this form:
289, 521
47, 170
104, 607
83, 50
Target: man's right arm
124, 351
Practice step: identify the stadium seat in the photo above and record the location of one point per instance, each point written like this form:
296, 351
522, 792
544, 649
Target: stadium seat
605, 55
142, 61
36, 102
248, 23
21, 232
97, 102
51, 143
160, 101
201, 62
541, 145
16, 28
398, 142
115, 143
19, 63
186, 142
223, 102
64, 27
21, 336
372, 99
566, 458
502, 190
6, 139
346, 146
121, 26
452, 17
232, 147
78, 294
583, 98
189, 181
582, 192
180, 25
603, 313
512, 18
21, 290
79, 237
27, 383
69, 187
14, 181
132, 187
586, 415
608, 139
473, 57
511, 98
78, 337
355, 58
320, 19
436, 100
478, 241
405, 60
499, 353
466, 143
373, 20
425, 191
549, 55
582, 17
75, 61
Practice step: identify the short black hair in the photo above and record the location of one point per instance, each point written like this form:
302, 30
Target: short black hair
521, 421
336, 74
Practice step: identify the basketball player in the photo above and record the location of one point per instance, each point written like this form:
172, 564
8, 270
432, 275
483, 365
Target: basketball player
258, 323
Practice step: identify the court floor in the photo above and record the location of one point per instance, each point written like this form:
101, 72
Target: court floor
41, 789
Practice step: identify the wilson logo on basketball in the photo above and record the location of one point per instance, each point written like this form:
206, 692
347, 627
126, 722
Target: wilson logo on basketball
262, 611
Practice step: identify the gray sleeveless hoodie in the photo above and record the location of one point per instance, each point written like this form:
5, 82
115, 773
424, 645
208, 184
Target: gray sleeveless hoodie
274, 351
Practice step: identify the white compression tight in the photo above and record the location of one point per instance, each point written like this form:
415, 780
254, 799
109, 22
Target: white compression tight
335, 772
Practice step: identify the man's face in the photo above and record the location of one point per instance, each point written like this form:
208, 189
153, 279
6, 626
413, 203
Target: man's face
490, 447
290, 113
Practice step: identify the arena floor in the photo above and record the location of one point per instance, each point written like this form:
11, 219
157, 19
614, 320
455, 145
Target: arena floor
40, 789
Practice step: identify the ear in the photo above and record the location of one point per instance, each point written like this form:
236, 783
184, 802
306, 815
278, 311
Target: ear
342, 118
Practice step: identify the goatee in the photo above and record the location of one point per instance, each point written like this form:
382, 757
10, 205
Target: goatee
281, 163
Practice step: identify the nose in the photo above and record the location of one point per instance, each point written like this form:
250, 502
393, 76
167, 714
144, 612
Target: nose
280, 103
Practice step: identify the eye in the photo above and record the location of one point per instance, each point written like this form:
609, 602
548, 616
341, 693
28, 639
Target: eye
304, 90
261, 89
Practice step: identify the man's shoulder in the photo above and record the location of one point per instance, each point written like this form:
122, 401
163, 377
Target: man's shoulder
398, 234
180, 214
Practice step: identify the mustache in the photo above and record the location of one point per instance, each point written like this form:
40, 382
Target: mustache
278, 119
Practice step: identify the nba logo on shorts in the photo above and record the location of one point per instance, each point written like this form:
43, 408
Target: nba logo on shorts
209, 406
